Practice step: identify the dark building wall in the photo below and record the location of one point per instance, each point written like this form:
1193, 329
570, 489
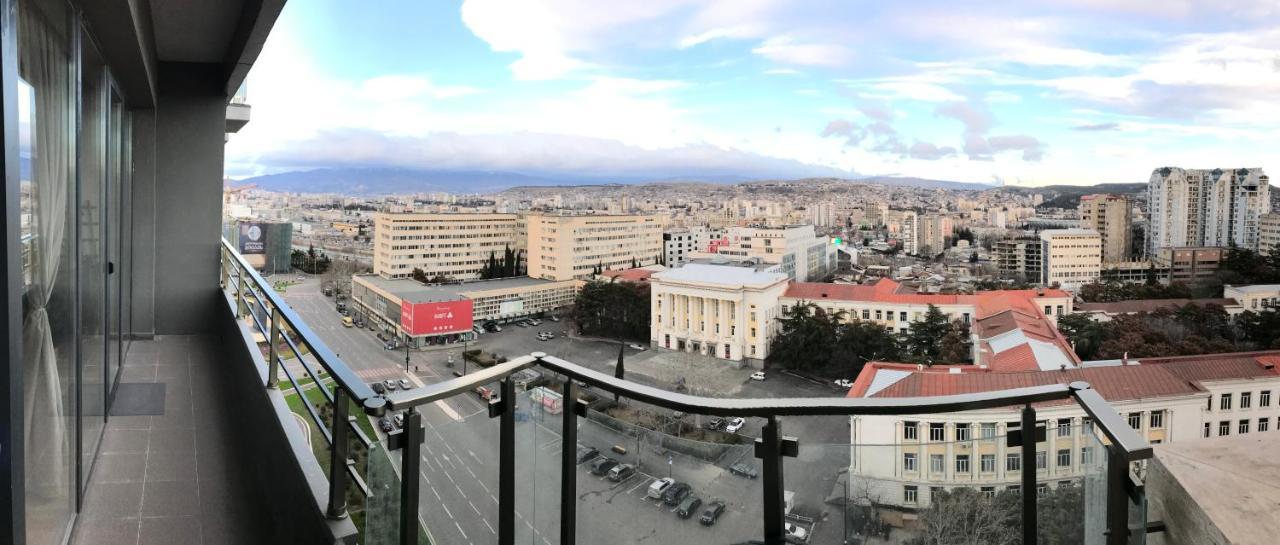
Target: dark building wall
190, 121
143, 194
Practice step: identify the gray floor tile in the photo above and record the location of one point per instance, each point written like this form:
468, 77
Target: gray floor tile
139, 373
129, 423
170, 498
120, 468
107, 501
106, 532
167, 530
171, 466
125, 441
173, 440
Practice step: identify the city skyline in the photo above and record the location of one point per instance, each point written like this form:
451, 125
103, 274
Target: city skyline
1075, 92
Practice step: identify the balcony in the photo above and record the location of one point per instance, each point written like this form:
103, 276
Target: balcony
265, 478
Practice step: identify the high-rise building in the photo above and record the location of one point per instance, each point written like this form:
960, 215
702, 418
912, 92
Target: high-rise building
796, 249
456, 246
1196, 207
564, 247
823, 214
1072, 257
1111, 216
677, 244
932, 234
906, 224
1268, 233
1020, 259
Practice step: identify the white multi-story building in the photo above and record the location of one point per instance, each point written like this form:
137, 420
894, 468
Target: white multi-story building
1194, 207
565, 247
905, 224
1072, 257
724, 311
823, 214
1256, 298
678, 244
796, 250
456, 246
1268, 233
932, 233
1111, 216
903, 460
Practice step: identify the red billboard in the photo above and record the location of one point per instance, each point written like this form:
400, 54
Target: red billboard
436, 318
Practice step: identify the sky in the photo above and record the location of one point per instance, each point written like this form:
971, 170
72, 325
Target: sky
1019, 93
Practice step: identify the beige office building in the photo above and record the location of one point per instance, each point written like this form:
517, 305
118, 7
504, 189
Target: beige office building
453, 245
1072, 257
931, 234
1268, 232
565, 247
1111, 216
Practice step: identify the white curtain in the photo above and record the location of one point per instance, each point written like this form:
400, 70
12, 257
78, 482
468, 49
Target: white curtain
44, 66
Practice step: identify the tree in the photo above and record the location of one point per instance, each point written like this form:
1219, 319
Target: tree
618, 310
419, 275
923, 340
804, 339
964, 516
1261, 328
955, 346
858, 342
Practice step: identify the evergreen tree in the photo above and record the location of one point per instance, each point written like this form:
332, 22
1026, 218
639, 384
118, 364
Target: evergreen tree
923, 339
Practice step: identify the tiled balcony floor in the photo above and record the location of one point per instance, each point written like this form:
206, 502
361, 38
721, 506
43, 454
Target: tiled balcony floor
172, 479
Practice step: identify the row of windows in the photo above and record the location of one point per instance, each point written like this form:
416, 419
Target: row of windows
1246, 400
987, 462
1224, 426
911, 493
987, 430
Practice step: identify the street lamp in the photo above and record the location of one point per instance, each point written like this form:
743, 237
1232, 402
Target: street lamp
406, 353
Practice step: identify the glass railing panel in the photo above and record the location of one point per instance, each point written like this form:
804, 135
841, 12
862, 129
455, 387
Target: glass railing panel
458, 500
628, 506
378, 520
539, 444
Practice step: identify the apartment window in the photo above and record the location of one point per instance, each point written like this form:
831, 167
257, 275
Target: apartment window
1064, 457
1264, 398
1225, 402
1135, 421
1012, 462
1246, 399
910, 493
936, 463
1209, 404
962, 432
1059, 310
988, 430
1086, 455
937, 431
1244, 426
902, 316
1207, 428
1014, 488
988, 463
962, 463
910, 430
1086, 424
1224, 428
889, 315
909, 461
753, 332
988, 491
866, 314
1263, 424
1041, 490
879, 314
1048, 310
1064, 427
1042, 459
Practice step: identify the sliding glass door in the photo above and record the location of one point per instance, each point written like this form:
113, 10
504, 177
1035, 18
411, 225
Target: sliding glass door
93, 260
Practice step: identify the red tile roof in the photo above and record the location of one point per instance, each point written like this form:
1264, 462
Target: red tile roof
630, 275
886, 290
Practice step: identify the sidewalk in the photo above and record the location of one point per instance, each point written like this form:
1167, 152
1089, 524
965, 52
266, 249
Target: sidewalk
703, 375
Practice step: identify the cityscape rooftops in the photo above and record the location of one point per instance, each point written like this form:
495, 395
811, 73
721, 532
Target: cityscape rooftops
417, 292
721, 275
1149, 305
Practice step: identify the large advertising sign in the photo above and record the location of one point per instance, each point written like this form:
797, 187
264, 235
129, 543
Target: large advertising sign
436, 318
252, 239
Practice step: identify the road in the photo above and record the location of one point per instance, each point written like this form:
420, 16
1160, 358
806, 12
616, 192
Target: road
460, 460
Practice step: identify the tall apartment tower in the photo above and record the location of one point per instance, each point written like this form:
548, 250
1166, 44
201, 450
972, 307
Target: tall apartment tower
1112, 217
1196, 207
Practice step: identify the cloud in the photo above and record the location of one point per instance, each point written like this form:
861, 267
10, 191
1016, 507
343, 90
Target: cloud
404, 87
978, 121
1090, 127
878, 113
716, 34
784, 49
930, 152
781, 72
531, 153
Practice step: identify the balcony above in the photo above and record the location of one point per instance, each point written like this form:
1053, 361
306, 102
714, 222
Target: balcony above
1221, 491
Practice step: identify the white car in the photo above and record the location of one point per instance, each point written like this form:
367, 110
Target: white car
758, 375
795, 531
635, 346
734, 424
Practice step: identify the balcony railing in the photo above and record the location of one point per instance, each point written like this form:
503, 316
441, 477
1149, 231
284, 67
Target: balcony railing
1117, 500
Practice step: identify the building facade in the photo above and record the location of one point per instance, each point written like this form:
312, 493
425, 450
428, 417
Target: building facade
903, 460
1256, 298
1196, 207
1072, 257
1269, 233
566, 247
1190, 265
677, 244
456, 246
1112, 217
795, 250
1019, 259
724, 311
932, 233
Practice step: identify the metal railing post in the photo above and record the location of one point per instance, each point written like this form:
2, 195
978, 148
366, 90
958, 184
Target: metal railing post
769, 450
338, 453
1029, 523
224, 261
569, 465
273, 364
241, 308
507, 465
410, 458
1117, 496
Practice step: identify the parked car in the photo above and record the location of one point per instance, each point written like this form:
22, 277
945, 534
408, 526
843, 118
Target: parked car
743, 470
603, 465
384, 424
713, 512
795, 531
522, 324
398, 420
843, 383
535, 323
621, 472
734, 424
658, 487
389, 384
688, 507
715, 424
378, 388
676, 493
758, 375
554, 318
586, 453
486, 393
347, 322
405, 384
635, 346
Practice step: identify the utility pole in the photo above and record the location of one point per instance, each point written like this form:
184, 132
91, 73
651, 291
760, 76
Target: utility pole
406, 353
